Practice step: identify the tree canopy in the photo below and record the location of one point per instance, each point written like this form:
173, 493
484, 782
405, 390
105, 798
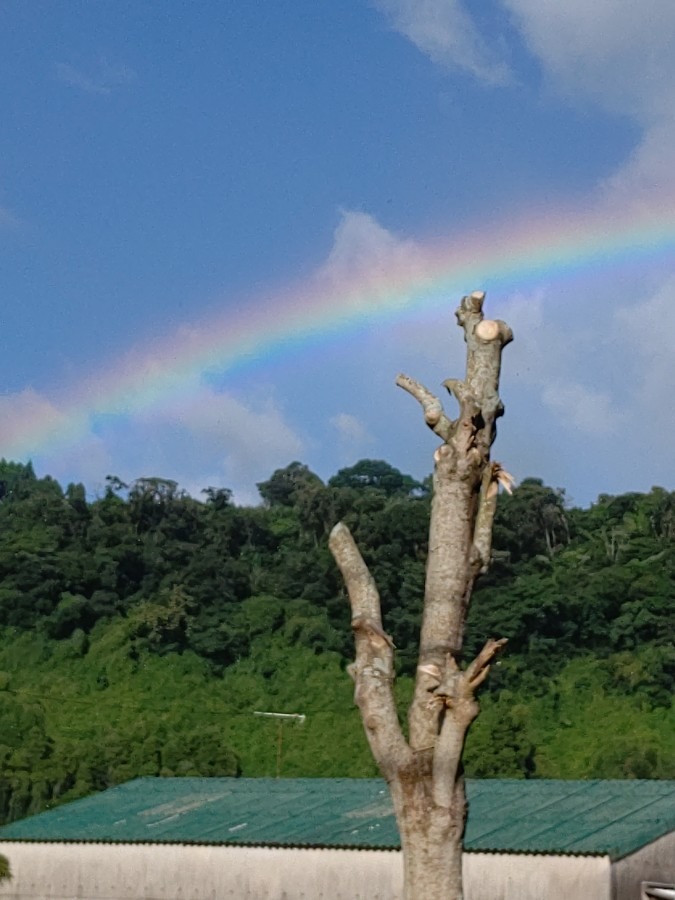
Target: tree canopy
139, 630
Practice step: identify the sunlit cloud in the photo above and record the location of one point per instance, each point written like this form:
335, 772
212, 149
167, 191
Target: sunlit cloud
618, 55
445, 32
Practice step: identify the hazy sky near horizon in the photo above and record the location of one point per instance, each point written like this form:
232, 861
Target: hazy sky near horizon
175, 170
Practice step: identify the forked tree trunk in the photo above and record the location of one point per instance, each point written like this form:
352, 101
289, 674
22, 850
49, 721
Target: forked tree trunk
424, 771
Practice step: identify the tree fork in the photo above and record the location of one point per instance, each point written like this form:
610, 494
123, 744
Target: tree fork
424, 772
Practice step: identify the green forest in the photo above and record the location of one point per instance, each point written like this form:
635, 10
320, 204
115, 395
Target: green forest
141, 630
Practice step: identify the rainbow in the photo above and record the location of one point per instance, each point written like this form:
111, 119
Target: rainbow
517, 255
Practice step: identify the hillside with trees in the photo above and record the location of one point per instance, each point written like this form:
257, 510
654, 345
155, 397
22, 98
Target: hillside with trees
139, 631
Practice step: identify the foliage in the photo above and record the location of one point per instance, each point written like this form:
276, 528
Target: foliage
140, 630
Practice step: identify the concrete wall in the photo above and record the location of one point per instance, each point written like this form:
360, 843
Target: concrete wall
59, 871
655, 862
52, 871
529, 877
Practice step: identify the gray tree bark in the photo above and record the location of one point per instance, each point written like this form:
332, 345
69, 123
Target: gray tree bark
424, 770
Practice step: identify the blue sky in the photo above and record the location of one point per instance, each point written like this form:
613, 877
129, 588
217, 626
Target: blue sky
161, 164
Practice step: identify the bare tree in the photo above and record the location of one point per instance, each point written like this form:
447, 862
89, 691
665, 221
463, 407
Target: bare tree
424, 771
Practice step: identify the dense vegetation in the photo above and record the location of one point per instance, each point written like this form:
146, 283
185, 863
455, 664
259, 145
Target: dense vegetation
140, 631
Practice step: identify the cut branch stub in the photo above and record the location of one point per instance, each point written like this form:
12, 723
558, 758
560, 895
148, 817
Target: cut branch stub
470, 310
484, 351
477, 670
485, 339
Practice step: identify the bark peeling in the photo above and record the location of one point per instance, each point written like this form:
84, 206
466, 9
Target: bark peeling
424, 771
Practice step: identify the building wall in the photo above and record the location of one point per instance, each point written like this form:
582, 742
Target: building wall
655, 862
521, 876
60, 871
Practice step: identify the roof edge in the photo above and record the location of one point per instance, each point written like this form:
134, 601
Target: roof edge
390, 848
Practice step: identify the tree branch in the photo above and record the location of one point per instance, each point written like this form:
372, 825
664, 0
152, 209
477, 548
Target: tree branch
434, 416
373, 669
493, 476
477, 670
485, 339
456, 692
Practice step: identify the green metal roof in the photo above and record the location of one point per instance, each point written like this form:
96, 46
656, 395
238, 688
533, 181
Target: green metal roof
537, 816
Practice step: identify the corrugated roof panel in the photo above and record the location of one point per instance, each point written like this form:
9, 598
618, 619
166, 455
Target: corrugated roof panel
523, 813
505, 815
619, 827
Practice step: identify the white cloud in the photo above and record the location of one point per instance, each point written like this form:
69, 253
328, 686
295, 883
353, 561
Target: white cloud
249, 439
619, 54
103, 79
204, 438
638, 454
27, 418
87, 460
585, 409
350, 428
644, 334
444, 31
208, 438
647, 176
364, 251
577, 372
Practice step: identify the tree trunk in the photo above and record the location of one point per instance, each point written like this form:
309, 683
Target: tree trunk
424, 771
